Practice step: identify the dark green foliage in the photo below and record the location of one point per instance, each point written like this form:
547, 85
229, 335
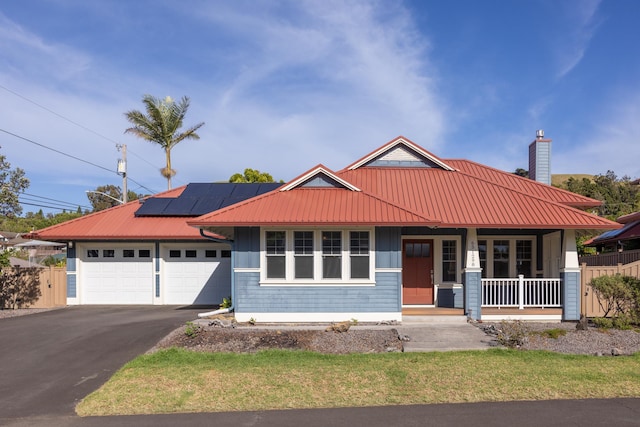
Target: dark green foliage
513, 334
19, 287
619, 298
554, 333
35, 221
251, 175
12, 183
618, 195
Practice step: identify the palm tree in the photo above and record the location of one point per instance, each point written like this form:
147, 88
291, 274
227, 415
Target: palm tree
161, 124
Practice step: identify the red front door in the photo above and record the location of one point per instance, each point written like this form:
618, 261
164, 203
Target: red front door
417, 272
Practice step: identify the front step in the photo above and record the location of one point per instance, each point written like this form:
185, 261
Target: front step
443, 319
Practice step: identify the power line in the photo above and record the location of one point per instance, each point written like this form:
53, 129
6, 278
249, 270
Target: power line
74, 123
70, 156
57, 151
42, 199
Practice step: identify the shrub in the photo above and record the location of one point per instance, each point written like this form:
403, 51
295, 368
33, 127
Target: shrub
513, 334
554, 333
619, 298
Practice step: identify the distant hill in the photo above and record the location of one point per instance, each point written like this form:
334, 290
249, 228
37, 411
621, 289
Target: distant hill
558, 179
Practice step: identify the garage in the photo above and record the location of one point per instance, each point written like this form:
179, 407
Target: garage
116, 273
198, 274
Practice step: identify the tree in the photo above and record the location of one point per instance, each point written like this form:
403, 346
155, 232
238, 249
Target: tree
618, 195
251, 175
107, 196
12, 183
160, 125
522, 172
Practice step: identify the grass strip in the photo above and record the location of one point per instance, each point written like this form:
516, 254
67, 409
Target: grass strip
177, 380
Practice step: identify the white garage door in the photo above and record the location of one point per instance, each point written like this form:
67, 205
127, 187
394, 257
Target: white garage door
116, 274
196, 274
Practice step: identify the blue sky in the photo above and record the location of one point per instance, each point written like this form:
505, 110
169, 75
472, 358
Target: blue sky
285, 85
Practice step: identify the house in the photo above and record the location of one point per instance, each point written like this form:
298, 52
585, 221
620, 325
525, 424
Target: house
621, 246
401, 229
398, 231
143, 252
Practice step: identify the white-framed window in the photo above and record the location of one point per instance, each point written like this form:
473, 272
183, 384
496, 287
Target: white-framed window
506, 257
449, 260
317, 256
276, 254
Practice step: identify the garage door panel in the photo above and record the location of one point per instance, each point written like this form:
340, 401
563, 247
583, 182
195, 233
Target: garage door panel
198, 280
115, 279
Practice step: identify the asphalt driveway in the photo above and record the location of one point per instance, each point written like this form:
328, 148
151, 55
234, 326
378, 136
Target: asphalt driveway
51, 360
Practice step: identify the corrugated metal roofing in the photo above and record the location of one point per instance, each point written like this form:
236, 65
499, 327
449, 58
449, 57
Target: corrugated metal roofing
470, 195
119, 223
314, 206
523, 185
630, 231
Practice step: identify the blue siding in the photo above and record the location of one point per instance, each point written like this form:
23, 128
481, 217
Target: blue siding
388, 247
570, 295
253, 298
451, 297
247, 247
71, 286
473, 294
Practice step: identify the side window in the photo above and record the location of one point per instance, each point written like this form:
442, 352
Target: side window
93, 253
331, 255
303, 254
276, 257
359, 254
449, 261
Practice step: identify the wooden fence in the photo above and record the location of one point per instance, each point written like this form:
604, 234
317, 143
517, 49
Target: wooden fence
590, 305
53, 288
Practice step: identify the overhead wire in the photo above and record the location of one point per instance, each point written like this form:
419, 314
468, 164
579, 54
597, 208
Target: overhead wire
117, 144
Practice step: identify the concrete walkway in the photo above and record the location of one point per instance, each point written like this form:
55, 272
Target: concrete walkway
442, 333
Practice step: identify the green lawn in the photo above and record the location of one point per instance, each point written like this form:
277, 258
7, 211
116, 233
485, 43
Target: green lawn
181, 381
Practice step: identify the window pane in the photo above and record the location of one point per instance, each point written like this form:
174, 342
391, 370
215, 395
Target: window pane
93, 253
108, 253
190, 253
408, 250
304, 267
303, 242
482, 253
331, 243
225, 254
128, 253
449, 264
275, 267
360, 267
210, 253
174, 253
359, 242
523, 257
332, 267
275, 242
501, 258
144, 253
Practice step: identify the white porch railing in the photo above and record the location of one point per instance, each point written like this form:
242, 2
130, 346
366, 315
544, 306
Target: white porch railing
521, 293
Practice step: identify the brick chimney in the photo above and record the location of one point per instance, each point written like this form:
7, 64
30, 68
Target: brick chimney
540, 159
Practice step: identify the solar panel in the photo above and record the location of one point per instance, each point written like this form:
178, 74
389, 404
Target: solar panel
201, 198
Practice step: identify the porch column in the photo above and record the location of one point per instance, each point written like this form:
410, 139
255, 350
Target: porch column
570, 275
472, 277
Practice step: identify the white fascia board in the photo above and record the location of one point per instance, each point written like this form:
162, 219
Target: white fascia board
317, 171
401, 141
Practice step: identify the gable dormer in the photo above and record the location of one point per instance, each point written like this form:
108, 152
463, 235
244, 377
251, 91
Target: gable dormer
402, 153
319, 177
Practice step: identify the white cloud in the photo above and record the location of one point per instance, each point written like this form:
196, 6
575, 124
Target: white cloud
582, 23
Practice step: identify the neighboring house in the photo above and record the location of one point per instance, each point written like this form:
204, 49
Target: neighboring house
143, 252
621, 246
399, 229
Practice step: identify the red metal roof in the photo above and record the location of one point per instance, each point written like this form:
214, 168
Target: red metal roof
465, 195
119, 223
314, 206
522, 184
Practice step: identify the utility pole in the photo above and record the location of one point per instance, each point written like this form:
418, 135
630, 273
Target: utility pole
122, 170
